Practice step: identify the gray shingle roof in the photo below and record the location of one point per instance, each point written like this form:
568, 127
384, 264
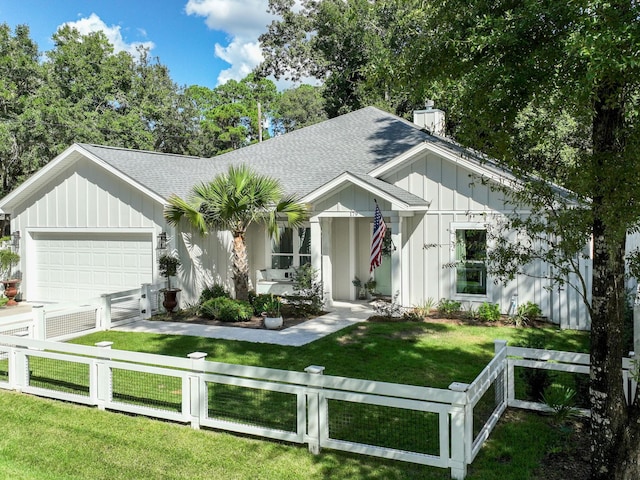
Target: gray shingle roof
303, 160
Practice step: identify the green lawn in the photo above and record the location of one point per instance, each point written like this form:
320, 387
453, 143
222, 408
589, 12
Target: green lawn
426, 354
81, 442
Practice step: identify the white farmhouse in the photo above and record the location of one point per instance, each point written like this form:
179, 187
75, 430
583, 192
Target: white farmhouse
91, 219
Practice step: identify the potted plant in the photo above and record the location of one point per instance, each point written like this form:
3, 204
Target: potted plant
271, 315
8, 259
370, 286
361, 291
168, 268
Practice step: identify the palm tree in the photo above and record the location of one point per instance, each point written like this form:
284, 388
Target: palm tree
232, 201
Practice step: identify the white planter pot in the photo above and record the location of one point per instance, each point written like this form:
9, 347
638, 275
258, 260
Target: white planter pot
273, 323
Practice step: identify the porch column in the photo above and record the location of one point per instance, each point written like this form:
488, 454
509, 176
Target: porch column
396, 261
327, 270
316, 246
353, 253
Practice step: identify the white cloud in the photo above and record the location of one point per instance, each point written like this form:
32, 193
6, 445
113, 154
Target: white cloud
93, 23
242, 55
244, 21
238, 18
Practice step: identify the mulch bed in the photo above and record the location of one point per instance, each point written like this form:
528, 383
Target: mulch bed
254, 322
462, 319
572, 461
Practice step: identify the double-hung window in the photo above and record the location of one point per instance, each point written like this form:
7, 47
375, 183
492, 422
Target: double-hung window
470, 258
293, 249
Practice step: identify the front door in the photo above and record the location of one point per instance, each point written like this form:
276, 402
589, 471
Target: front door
382, 276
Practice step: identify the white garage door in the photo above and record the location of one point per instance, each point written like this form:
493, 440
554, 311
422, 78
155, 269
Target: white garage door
78, 267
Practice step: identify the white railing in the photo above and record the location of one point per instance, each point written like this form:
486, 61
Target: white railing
127, 306
61, 323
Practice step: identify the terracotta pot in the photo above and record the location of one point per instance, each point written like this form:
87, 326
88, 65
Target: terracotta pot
170, 299
273, 323
10, 291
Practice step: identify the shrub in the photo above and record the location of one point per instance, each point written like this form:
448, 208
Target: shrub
471, 313
448, 307
168, 265
304, 277
214, 291
561, 400
260, 302
423, 309
307, 299
412, 316
226, 309
489, 312
528, 311
273, 306
390, 309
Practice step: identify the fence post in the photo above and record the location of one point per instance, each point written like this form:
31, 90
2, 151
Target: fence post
501, 397
636, 322
196, 400
145, 301
39, 323
314, 419
19, 366
461, 433
100, 387
629, 377
105, 301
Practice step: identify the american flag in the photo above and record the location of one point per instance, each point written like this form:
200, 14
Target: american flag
379, 229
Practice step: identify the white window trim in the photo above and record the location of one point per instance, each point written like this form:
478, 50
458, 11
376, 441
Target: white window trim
296, 248
470, 297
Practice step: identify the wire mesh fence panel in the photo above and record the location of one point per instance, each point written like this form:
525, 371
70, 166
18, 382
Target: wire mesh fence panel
4, 366
488, 403
150, 390
70, 323
252, 406
125, 310
536, 384
59, 375
156, 300
18, 331
383, 426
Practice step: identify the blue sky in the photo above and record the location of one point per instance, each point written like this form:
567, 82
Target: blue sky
203, 42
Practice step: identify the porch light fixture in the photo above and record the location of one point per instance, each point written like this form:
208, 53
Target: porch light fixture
15, 239
162, 241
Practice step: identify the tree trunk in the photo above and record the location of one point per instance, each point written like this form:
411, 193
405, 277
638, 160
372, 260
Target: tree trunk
240, 266
615, 439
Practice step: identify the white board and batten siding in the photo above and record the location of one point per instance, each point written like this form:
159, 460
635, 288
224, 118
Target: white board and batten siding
459, 199
88, 233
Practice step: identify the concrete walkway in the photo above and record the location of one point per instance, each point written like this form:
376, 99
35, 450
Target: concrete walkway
341, 315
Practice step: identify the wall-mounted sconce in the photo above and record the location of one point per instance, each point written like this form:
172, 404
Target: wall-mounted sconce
15, 239
162, 241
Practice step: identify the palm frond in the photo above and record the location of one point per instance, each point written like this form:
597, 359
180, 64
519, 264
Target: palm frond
179, 208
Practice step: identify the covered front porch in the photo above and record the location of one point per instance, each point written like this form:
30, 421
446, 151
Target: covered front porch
341, 233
